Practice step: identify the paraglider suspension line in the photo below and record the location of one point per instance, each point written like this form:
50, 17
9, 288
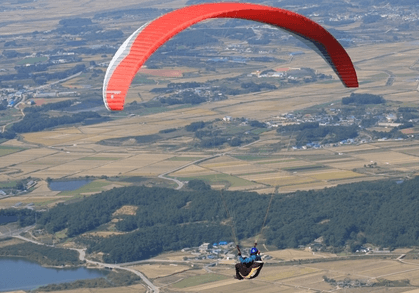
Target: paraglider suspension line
266, 215
233, 233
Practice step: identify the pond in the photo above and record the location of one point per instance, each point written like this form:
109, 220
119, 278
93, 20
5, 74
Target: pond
69, 185
21, 274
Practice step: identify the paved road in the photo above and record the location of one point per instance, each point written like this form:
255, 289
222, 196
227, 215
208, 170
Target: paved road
180, 183
16, 232
117, 266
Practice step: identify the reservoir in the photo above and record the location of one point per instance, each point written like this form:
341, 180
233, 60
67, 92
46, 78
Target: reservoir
21, 274
68, 185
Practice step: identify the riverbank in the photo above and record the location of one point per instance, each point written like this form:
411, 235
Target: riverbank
21, 274
43, 255
80, 255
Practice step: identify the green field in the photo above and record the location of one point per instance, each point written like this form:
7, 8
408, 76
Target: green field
187, 159
32, 60
259, 130
4, 151
143, 79
273, 162
155, 110
258, 158
10, 115
198, 280
9, 184
222, 178
99, 159
233, 130
305, 168
92, 187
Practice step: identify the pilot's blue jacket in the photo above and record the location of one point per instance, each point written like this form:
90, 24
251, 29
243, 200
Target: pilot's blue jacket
250, 259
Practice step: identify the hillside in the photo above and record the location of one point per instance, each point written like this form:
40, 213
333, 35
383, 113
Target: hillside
382, 213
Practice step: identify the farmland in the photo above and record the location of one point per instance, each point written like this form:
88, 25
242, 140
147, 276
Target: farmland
293, 277
109, 154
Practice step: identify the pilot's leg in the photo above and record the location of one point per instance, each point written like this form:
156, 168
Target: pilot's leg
238, 270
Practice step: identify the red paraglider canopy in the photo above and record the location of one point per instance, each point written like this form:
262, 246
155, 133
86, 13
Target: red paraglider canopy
146, 40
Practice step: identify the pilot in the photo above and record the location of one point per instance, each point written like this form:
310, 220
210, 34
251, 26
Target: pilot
246, 265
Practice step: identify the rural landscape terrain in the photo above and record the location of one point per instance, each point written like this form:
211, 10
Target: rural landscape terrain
233, 130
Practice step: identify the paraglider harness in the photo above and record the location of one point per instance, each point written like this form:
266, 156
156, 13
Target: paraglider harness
248, 270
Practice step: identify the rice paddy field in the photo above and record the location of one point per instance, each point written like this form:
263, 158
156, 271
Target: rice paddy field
295, 277
26, 20
74, 152
77, 152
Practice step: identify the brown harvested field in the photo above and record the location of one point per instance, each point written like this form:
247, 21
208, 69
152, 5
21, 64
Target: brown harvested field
289, 166
161, 72
41, 200
311, 280
414, 151
274, 180
261, 106
266, 176
246, 287
349, 165
239, 168
156, 271
394, 271
29, 20
307, 186
42, 189
246, 187
294, 254
333, 175
354, 267
174, 256
12, 241
268, 104
356, 148
56, 137
390, 157
264, 191
25, 156
73, 168
408, 131
221, 161
280, 274
309, 277
130, 164
192, 170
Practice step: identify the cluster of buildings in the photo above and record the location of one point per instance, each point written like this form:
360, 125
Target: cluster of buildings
334, 117
13, 96
218, 250
212, 93
386, 12
12, 191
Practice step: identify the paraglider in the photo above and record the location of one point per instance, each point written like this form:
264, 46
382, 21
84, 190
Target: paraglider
249, 267
135, 51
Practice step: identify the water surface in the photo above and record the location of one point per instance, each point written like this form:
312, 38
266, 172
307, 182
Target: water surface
21, 274
68, 185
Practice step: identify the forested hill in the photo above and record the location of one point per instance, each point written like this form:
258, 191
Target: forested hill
383, 213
